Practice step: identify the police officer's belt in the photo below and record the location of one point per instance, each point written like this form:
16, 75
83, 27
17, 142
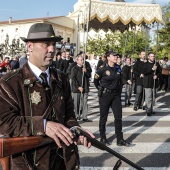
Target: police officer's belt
105, 90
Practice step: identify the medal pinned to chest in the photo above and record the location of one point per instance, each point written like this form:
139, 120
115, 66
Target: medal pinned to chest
35, 97
107, 72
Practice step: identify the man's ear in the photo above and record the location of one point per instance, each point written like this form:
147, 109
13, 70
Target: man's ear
30, 46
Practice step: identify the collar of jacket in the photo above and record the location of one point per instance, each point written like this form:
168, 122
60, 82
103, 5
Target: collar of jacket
29, 77
150, 61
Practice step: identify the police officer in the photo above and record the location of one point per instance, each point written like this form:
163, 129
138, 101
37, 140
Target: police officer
107, 81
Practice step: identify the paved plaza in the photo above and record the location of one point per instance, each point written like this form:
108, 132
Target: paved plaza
151, 136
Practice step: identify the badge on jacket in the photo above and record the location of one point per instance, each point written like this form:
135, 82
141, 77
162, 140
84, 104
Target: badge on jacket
35, 97
108, 72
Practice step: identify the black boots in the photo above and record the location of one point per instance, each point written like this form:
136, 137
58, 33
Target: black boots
105, 141
123, 142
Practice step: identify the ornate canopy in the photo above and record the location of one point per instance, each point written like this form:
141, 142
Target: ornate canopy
119, 15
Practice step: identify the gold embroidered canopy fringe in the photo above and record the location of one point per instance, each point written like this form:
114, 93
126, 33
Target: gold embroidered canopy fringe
118, 15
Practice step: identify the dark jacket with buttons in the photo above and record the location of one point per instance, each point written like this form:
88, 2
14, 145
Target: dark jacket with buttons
138, 70
108, 77
148, 81
126, 74
76, 79
22, 115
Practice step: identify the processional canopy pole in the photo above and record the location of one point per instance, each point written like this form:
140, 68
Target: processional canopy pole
85, 20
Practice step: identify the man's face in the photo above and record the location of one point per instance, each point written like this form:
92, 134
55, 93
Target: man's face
67, 55
58, 57
63, 55
119, 60
166, 60
112, 58
142, 55
152, 57
95, 56
128, 61
103, 58
7, 60
41, 53
80, 61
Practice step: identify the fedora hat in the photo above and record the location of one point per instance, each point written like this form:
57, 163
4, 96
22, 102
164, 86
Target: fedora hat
41, 31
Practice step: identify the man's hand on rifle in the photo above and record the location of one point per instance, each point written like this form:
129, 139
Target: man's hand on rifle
59, 133
83, 140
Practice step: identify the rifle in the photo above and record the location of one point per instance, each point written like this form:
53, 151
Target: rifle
12, 146
77, 131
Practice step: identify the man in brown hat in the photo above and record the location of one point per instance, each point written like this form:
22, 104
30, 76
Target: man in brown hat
36, 100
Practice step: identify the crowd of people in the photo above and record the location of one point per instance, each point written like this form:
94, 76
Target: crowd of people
135, 76
8, 63
63, 84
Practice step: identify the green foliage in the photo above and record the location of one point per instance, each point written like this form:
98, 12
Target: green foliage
163, 47
127, 43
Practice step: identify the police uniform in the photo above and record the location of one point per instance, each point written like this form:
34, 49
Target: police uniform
108, 81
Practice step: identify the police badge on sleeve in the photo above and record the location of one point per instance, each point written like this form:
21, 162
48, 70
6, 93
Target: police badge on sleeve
107, 72
35, 97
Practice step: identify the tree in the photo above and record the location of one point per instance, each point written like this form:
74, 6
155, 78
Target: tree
163, 47
135, 43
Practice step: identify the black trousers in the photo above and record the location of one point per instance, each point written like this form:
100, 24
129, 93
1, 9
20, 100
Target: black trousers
106, 101
163, 81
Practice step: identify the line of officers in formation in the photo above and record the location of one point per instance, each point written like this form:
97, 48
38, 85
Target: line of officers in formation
110, 77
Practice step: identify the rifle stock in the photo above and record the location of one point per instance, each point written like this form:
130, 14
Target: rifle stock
4, 162
12, 146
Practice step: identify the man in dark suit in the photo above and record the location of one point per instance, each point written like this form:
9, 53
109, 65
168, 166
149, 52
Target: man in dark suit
151, 71
26, 94
127, 77
138, 72
80, 75
67, 62
59, 62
